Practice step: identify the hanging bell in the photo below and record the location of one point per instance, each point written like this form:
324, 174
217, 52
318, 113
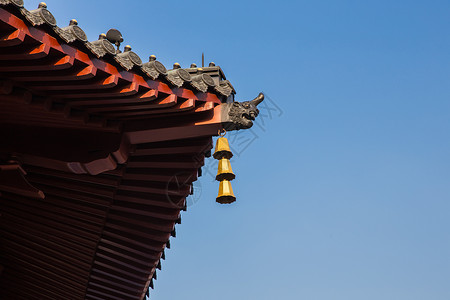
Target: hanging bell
225, 193
222, 149
224, 171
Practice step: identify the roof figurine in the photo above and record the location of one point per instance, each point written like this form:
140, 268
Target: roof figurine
115, 37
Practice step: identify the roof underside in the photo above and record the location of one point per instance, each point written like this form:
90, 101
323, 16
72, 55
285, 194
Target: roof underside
96, 237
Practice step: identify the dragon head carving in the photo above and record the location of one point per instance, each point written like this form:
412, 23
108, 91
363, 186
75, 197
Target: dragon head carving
240, 115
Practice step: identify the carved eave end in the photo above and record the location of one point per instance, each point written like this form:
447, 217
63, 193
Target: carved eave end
240, 115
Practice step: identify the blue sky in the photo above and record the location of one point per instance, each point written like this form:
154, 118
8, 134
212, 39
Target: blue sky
345, 194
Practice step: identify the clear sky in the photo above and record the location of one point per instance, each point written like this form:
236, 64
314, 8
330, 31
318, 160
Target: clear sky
344, 186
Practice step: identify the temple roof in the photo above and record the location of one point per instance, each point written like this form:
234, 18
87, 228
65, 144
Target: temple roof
100, 154
127, 60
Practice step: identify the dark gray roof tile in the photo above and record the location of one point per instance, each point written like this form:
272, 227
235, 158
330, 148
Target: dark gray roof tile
225, 88
101, 47
202, 82
39, 16
18, 3
154, 68
178, 76
128, 59
71, 33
